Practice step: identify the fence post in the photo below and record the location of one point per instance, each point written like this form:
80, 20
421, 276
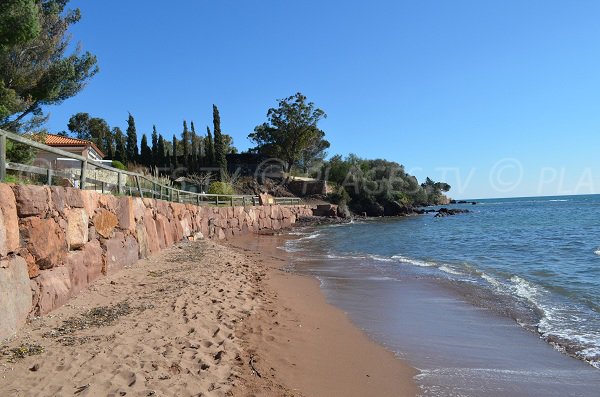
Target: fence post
217, 200
83, 175
49, 176
244, 201
198, 199
153, 189
232, 201
139, 186
170, 194
120, 182
2, 157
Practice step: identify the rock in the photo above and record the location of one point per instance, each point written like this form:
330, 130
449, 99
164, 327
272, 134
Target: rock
54, 286
151, 233
15, 295
45, 240
442, 212
121, 251
32, 267
124, 210
31, 200
77, 227
59, 198
85, 266
142, 239
9, 222
75, 198
105, 222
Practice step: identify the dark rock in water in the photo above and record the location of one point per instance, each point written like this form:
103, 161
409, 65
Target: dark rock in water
394, 208
462, 202
319, 220
447, 212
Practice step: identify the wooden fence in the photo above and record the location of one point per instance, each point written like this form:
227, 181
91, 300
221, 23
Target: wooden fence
143, 186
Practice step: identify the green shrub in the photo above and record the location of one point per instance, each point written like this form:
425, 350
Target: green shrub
118, 165
220, 188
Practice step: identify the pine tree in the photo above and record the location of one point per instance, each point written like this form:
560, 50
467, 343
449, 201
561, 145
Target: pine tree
155, 158
210, 148
174, 154
162, 163
132, 145
185, 143
146, 152
220, 159
120, 148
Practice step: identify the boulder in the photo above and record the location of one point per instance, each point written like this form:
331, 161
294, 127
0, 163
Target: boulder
9, 222
15, 295
54, 286
77, 227
121, 251
45, 240
85, 266
105, 222
31, 200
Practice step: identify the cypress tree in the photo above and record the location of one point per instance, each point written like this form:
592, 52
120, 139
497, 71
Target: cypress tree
174, 154
185, 138
155, 158
132, 145
120, 150
210, 148
194, 156
146, 152
161, 152
220, 159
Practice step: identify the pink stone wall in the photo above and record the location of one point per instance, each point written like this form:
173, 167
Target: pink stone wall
55, 241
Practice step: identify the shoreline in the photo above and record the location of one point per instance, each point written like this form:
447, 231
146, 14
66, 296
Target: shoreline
301, 341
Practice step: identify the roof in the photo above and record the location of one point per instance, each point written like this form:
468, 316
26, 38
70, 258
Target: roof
62, 141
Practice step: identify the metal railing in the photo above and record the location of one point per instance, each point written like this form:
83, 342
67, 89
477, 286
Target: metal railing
143, 186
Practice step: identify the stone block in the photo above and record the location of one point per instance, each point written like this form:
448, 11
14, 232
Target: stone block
125, 215
15, 295
45, 240
85, 266
77, 227
121, 251
53, 289
9, 221
105, 223
32, 200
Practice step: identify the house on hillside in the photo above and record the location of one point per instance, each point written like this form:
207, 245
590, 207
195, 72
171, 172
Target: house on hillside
70, 166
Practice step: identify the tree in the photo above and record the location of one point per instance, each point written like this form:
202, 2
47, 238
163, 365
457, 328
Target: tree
162, 162
155, 158
185, 143
210, 148
34, 67
132, 145
220, 159
193, 166
145, 153
92, 129
120, 148
174, 152
228, 144
290, 131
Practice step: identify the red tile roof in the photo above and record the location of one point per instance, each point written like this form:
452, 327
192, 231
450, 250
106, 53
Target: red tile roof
62, 141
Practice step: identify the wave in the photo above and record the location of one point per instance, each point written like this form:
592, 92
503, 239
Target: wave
597, 252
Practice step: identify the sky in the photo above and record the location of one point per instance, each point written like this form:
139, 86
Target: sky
496, 98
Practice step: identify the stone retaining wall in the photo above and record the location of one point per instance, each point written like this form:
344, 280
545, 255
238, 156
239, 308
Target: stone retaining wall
55, 241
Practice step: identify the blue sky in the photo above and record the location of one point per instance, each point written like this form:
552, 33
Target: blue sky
498, 98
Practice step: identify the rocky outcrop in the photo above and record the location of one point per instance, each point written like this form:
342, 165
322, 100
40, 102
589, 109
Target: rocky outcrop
55, 241
442, 212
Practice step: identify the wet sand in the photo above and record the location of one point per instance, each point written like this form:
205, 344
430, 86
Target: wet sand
299, 340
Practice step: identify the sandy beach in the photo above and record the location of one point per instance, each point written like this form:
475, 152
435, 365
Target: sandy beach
200, 319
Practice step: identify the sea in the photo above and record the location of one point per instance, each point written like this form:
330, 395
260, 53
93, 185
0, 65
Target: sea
501, 301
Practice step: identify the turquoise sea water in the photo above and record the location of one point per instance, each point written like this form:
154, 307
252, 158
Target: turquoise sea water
532, 261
